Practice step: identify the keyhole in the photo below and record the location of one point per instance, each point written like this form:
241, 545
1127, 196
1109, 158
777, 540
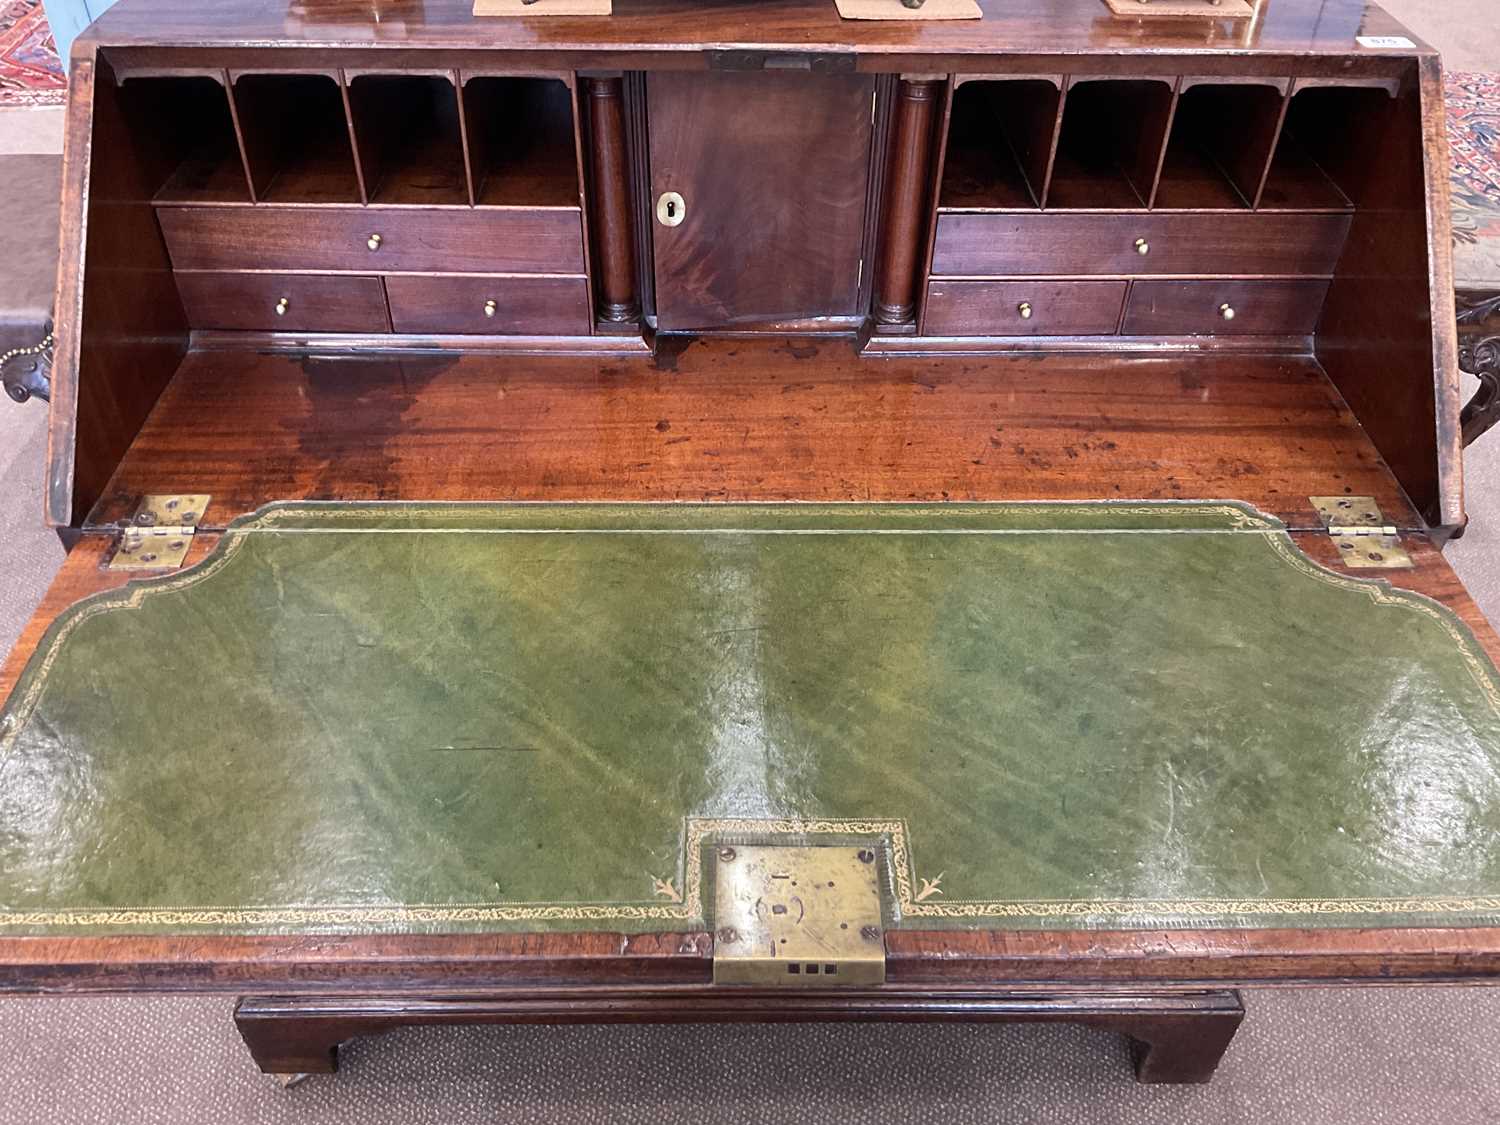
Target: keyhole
670, 209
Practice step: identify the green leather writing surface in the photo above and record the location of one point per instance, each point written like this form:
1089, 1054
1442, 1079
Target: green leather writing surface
416, 717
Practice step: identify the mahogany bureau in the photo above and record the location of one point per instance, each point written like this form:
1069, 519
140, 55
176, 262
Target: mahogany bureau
541, 489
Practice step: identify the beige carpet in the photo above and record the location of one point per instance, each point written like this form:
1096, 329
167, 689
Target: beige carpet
1380, 1056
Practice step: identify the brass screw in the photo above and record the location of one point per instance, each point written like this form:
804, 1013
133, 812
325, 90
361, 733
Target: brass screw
374, 241
866, 855
870, 933
726, 854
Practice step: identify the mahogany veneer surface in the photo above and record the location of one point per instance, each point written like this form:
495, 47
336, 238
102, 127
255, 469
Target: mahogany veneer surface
678, 26
751, 419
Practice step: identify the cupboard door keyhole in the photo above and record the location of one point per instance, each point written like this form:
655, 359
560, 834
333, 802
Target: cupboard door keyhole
670, 209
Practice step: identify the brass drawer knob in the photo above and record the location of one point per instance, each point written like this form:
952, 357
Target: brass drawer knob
1142, 247
1024, 308
1226, 310
489, 308
281, 307
374, 241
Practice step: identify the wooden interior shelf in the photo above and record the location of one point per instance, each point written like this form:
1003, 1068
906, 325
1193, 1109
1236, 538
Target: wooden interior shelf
296, 135
1111, 143
410, 139
1000, 142
184, 130
1221, 141
521, 143
1323, 157
1193, 143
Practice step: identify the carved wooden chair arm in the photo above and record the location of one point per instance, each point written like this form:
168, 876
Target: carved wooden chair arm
1479, 355
27, 372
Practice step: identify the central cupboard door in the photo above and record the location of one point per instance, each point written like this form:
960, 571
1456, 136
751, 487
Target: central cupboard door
758, 189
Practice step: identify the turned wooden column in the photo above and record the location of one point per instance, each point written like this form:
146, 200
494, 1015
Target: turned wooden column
609, 201
905, 214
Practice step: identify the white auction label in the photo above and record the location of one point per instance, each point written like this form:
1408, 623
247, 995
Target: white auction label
1385, 42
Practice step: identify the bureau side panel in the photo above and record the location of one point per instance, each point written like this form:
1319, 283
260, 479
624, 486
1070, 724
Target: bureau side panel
1389, 308
120, 327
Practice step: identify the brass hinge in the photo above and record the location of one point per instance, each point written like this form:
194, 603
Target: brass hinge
1359, 531
160, 534
798, 917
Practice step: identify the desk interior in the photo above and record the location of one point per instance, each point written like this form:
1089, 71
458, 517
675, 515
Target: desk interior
754, 420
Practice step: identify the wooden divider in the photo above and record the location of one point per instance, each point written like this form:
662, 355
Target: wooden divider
1170, 143
432, 138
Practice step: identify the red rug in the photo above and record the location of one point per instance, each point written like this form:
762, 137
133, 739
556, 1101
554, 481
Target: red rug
30, 71
1474, 139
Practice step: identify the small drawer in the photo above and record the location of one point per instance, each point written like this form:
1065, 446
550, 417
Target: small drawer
1023, 308
513, 306
1220, 308
378, 239
293, 302
1138, 243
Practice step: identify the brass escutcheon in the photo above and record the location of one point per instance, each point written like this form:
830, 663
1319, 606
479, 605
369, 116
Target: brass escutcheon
671, 209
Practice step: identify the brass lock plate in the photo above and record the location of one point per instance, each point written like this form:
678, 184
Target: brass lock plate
799, 917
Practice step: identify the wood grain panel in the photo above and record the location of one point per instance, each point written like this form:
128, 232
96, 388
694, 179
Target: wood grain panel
994, 308
774, 168
336, 238
313, 303
522, 305
1198, 308
663, 31
120, 327
1059, 243
752, 419
1387, 332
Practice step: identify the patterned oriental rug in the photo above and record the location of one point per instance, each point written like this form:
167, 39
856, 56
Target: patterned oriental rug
1474, 136
31, 74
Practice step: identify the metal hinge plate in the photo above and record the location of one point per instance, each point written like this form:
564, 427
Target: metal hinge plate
807, 917
1359, 531
160, 534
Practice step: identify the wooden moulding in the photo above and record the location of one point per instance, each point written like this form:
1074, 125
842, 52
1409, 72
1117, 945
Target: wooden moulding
1176, 1037
495, 964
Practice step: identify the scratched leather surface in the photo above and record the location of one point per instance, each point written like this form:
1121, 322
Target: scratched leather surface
385, 717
